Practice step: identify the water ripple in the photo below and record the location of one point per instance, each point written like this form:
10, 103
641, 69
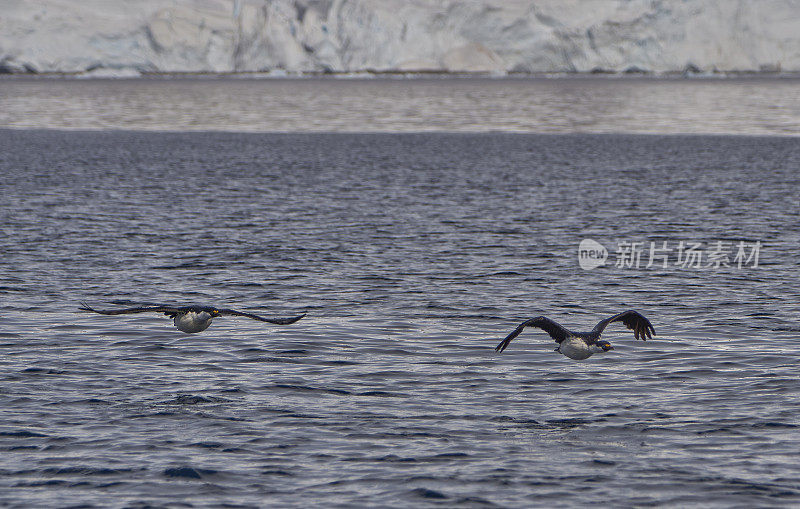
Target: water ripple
413, 255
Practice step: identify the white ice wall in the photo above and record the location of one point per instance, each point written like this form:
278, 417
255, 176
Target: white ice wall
399, 35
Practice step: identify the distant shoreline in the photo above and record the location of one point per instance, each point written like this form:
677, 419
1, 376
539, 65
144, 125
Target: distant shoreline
422, 74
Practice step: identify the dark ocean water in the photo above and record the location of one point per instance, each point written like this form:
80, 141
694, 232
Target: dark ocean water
414, 254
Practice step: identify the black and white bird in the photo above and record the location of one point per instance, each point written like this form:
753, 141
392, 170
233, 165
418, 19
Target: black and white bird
191, 318
581, 345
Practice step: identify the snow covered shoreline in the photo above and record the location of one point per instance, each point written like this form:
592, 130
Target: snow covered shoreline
101, 74
368, 38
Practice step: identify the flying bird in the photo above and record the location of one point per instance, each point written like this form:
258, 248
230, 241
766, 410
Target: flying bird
191, 318
581, 345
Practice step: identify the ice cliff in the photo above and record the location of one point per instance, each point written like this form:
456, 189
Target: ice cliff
495, 36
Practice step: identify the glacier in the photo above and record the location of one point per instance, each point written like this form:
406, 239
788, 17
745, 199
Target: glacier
124, 38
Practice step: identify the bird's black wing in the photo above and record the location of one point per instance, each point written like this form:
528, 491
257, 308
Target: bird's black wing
555, 330
279, 321
167, 310
635, 321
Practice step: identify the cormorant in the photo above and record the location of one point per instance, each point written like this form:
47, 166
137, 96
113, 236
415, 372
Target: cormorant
581, 345
191, 318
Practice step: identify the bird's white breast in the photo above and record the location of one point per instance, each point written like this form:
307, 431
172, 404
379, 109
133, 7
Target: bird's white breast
193, 322
575, 348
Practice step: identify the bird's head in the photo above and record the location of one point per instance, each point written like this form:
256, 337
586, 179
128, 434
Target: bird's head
604, 346
214, 312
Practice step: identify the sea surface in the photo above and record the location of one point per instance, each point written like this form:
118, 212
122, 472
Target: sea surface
414, 254
764, 106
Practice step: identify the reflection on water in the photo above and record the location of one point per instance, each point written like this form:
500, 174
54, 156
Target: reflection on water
756, 106
413, 255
